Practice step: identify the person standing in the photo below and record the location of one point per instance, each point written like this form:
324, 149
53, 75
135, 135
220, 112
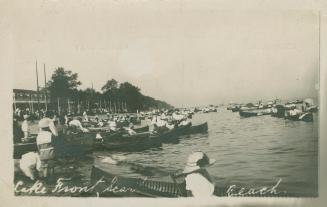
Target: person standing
25, 128
44, 141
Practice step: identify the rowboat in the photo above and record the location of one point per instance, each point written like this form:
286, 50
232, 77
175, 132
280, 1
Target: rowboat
22, 148
306, 117
235, 108
146, 140
108, 181
254, 113
113, 185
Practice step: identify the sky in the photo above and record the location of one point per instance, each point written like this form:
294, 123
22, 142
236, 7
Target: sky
183, 55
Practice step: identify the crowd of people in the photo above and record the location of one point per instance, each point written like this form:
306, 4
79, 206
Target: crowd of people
40, 164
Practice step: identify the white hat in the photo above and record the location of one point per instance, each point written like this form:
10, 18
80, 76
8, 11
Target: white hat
25, 116
43, 123
196, 161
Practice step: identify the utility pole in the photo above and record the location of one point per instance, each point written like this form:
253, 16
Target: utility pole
45, 88
37, 86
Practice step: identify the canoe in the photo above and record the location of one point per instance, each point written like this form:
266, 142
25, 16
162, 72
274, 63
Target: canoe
133, 187
108, 181
22, 148
141, 129
235, 108
72, 144
306, 117
247, 114
173, 135
145, 140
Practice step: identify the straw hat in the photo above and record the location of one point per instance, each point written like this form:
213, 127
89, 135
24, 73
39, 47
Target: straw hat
196, 161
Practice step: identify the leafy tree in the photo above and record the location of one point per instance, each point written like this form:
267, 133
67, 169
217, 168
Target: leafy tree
63, 83
61, 86
110, 85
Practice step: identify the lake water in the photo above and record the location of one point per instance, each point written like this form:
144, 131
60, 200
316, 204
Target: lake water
250, 152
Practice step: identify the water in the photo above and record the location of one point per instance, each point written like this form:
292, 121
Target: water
250, 152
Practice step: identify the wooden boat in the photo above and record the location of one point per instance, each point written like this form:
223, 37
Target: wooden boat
306, 117
70, 144
113, 185
108, 182
145, 140
141, 129
254, 113
278, 111
24, 147
235, 108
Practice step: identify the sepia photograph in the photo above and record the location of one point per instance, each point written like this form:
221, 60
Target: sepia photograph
117, 100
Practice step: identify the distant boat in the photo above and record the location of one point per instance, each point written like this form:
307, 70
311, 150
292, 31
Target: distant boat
252, 113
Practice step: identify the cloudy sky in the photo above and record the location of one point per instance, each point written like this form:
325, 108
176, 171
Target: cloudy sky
183, 55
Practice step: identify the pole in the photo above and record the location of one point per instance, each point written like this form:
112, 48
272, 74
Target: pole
110, 106
68, 102
78, 108
32, 106
45, 88
14, 99
58, 105
37, 86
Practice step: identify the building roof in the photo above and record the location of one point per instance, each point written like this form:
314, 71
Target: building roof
23, 91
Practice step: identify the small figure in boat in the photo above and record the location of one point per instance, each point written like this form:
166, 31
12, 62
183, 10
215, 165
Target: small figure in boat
130, 131
85, 116
112, 125
185, 121
198, 181
76, 123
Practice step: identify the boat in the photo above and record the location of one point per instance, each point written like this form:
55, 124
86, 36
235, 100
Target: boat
113, 185
145, 140
254, 113
24, 147
235, 108
108, 181
278, 111
306, 117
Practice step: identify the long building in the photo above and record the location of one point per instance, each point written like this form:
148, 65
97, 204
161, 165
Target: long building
31, 99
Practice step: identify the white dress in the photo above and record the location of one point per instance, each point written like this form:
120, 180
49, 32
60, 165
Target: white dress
199, 185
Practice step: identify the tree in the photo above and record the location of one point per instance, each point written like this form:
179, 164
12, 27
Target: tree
62, 85
110, 85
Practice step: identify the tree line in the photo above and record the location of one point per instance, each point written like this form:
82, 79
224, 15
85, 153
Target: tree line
114, 96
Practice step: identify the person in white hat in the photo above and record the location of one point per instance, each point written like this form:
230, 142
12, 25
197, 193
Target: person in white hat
25, 127
198, 181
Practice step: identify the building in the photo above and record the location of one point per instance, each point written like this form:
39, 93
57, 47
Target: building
30, 99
